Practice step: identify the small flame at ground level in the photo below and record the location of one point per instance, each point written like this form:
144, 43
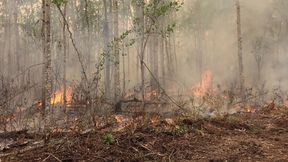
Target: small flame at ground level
201, 88
58, 96
249, 109
155, 119
152, 94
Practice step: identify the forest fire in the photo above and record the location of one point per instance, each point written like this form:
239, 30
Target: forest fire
148, 95
201, 88
58, 96
155, 119
249, 109
143, 80
152, 94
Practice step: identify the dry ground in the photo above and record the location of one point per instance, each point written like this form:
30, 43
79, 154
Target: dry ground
260, 136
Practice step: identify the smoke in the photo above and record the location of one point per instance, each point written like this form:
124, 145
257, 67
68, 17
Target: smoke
217, 42
205, 39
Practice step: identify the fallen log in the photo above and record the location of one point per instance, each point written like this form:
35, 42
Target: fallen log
14, 134
118, 105
135, 105
32, 146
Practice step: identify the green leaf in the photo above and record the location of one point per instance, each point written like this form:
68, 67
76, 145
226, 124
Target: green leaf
58, 2
108, 138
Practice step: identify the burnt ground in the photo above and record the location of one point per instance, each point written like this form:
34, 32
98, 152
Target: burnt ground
259, 136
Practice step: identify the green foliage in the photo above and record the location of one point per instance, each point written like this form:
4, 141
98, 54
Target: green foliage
89, 16
155, 9
171, 27
108, 138
168, 30
125, 34
138, 2
58, 2
182, 128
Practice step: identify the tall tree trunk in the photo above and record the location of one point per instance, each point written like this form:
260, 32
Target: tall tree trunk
89, 40
167, 46
154, 51
64, 57
124, 49
150, 59
116, 52
174, 43
47, 70
140, 15
162, 60
172, 18
15, 42
123, 69
240, 54
138, 6
7, 41
154, 60
18, 57
106, 35
129, 14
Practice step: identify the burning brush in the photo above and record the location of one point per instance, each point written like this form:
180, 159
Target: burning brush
58, 96
205, 84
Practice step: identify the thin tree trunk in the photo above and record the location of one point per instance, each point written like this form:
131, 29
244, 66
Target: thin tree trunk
174, 43
128, 14
116, 52
106, 35
168, 54
150, 59
64, 57
89, 40
47, 70
17, 43
123, 70
124, 49
8, 41
142, 47
240, 54
162, 60
140, 23
154, 61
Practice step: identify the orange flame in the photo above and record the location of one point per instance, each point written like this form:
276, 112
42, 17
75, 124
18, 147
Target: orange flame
201, 88
249, 109
152, 94
58, 96
155, 119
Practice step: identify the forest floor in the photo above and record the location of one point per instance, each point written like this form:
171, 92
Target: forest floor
259, 136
